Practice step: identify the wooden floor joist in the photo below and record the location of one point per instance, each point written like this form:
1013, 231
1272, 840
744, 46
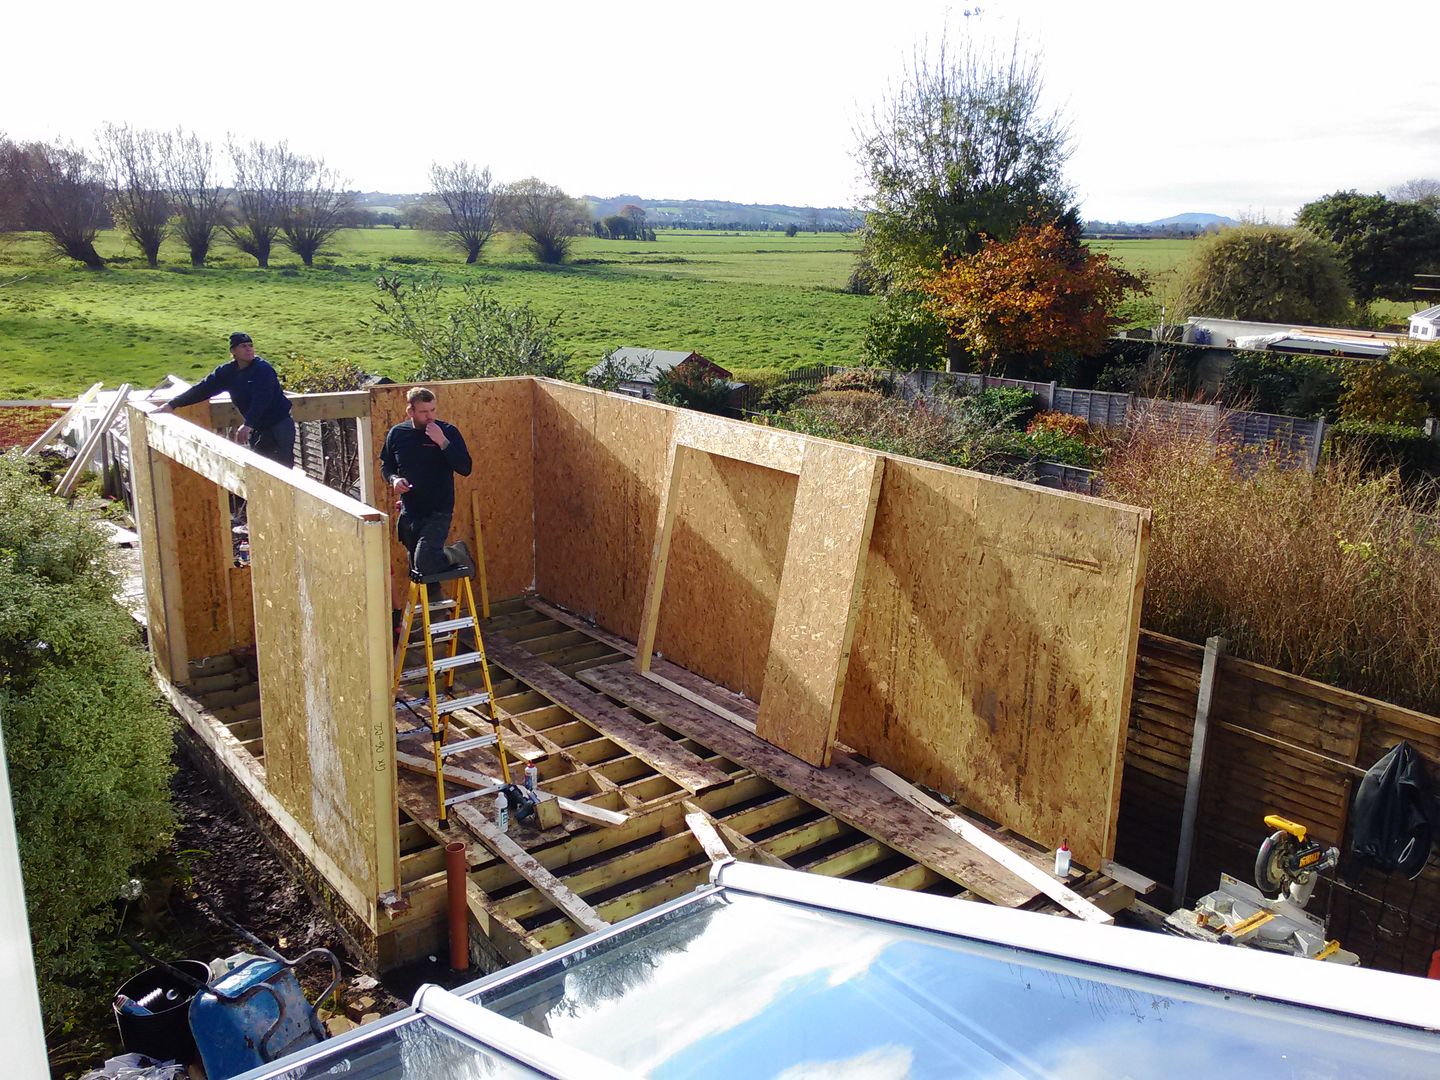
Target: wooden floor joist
651, 746
845, 789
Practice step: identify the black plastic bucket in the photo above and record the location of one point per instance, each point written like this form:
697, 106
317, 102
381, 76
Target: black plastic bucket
164, 1034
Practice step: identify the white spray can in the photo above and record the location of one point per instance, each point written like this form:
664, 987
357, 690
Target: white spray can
532, 777
1062, 859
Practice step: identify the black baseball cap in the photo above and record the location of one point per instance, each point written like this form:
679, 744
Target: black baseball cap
240, 338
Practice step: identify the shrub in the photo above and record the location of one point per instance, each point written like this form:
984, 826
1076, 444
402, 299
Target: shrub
692, 386
301, 374
1053, 444
87, 744
1385, 447
614, 370
912, 429
1267, 273
997, 406
1283, 383
1334, 576
1379, 392
1074, 427
903, 334
869, 380
477, 337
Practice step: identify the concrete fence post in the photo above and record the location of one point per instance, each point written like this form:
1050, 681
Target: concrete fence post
1214, 650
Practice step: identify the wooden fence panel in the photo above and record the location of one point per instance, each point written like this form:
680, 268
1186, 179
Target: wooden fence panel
1278, 743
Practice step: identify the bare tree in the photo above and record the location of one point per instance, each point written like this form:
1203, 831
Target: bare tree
134, 164
60, 192
546, 215
10, 199
467, 210
257, 204
315, 205
194, 185
1423, 190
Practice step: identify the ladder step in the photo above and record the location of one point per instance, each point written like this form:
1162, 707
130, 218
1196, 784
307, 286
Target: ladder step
444, 663
467, 744
438, 605
466, 796
469, 701
451, 624
419, 709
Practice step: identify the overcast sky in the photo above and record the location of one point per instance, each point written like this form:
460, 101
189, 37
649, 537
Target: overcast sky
1232, 108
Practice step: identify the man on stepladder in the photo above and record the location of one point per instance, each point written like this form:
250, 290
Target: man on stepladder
419, 460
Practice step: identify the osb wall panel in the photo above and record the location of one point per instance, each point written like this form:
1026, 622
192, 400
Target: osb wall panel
599, 465
495, 417
994, 650
322, 637
819, 599
242, 606
727, 554
202, 533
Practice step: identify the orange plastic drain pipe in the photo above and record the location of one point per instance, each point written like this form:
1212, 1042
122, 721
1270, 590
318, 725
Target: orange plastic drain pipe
455, 890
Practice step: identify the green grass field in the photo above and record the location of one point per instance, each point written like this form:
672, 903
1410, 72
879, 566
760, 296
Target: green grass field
748, 301
752, 300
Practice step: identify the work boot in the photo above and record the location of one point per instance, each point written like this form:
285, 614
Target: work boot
459, 555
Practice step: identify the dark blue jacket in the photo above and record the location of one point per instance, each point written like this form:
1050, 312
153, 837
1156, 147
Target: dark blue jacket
255, 391
408, 452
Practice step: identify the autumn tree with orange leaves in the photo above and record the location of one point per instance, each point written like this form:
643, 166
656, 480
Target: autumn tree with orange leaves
1018, 306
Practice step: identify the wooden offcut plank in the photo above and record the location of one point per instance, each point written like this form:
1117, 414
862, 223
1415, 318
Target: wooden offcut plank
819, 599
650, 746
92, 443
845, 790
1017, 864
524, 864
53, 431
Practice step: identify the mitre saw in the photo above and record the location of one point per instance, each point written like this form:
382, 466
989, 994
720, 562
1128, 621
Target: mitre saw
1287, 865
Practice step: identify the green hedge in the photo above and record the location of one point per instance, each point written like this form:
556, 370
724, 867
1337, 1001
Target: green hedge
1388, 446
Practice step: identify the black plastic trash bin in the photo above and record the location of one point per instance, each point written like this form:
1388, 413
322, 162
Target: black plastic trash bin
163, 1030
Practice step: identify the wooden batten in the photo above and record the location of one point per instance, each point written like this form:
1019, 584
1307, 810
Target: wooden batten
342, 405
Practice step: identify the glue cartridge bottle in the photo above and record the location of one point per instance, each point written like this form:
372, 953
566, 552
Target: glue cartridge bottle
502, 811
1062, 859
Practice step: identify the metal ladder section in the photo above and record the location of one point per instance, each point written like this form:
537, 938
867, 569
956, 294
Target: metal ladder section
446, 666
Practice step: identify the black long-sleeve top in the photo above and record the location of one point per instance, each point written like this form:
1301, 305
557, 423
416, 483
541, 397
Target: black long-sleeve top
254, 390
408, 452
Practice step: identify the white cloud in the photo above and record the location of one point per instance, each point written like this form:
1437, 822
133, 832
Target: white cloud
882, 1063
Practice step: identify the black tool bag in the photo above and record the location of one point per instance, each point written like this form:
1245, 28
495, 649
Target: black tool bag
1393, 821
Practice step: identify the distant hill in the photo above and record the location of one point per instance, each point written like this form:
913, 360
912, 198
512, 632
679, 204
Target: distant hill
718, 214
1177, 225
1201, 220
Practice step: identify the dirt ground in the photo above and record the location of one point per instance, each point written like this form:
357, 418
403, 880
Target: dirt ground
219, 866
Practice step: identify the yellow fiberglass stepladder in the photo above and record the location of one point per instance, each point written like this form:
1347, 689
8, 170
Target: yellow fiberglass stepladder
420, 603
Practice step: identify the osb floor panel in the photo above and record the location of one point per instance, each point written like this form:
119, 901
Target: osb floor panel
653, 857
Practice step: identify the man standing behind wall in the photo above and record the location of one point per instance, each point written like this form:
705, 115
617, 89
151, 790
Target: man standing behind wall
255, 391
420, 458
